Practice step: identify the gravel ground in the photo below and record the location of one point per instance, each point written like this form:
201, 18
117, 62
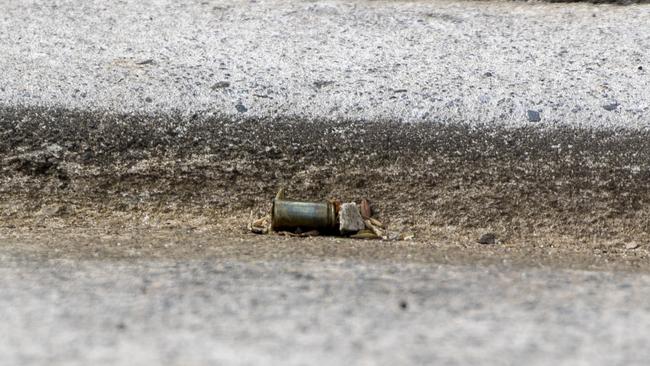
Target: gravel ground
327, 311
478, 62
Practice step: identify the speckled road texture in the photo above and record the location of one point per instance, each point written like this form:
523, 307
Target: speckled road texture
316, 312
486, 63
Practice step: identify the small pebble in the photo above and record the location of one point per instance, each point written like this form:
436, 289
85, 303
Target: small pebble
220, 85
146, 62
241, 108
631, 245
322, 83
487, 238
610, 106
533, 116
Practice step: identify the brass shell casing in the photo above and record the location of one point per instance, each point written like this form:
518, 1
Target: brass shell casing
287, 214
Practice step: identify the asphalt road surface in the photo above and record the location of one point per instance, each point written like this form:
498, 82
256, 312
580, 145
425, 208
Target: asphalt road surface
442, 61
315, 311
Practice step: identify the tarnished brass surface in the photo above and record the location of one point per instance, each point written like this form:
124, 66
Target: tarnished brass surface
305, 215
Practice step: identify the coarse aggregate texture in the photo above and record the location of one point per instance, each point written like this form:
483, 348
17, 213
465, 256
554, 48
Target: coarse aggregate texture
58, 309
585, 183
456, 119
521, 119
410, 61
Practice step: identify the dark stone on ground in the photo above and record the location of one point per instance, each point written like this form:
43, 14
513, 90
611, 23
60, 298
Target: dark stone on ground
322, 83
220, 85
533, 116
241, 108
146, 62
610, 106
487, 238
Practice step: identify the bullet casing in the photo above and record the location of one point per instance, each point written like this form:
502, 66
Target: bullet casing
287, 214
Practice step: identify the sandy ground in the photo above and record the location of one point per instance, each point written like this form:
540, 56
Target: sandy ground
229, 240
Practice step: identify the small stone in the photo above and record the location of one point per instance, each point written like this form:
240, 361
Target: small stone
241, 108
488, 74
640, 68
322, 83
350, 219
148, 99
610, 106
631, 245
146, 62
533, 116
220, 85
487, 238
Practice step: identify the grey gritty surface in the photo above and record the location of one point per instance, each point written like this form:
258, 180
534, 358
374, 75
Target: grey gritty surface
578, 65
440, 61
317, 312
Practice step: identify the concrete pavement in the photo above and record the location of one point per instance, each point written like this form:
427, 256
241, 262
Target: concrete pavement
317, 312
477, 62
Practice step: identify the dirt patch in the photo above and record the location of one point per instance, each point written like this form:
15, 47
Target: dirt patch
579, 188
213, 242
